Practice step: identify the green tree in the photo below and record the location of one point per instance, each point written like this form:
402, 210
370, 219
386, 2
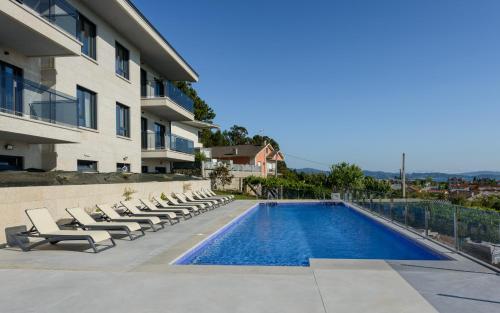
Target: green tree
237, 135
221, 176
345, 177
260, 140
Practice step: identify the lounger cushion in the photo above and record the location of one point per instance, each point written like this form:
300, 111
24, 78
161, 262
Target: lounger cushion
132, 226
96, 235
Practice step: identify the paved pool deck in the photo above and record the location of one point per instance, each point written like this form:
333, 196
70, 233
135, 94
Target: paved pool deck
136, 276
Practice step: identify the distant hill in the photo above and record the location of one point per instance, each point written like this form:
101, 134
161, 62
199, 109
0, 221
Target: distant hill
436, 176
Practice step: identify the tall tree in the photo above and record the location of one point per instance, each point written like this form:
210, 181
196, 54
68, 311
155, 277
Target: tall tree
345, 177
260, 140
237, 135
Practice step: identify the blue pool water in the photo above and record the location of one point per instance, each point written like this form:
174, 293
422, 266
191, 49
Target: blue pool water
290, 234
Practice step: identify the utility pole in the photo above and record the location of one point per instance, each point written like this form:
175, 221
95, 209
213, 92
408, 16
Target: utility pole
403, 176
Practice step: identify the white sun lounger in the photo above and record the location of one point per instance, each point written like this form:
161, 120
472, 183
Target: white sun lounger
199, 207
151, 207
228, 198
162, 204
45, 227
198, 195
113, 216
132, 208
190, 198
87, 222
183, 199
211, 193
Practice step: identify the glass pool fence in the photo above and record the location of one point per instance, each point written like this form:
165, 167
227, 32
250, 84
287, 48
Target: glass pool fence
473, 231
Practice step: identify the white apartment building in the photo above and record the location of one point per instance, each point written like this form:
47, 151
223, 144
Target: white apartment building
86, 85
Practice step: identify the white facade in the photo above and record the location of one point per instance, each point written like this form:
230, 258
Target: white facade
58, 66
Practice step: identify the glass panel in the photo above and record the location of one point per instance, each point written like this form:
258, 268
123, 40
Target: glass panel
479, 234
23, 97
179, 97
58, 12
182, 144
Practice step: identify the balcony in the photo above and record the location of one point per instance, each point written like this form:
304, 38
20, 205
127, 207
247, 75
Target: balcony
167, 101
39, 28
164, 146
35, 114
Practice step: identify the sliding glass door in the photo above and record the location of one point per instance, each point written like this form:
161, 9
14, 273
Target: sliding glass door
11, 89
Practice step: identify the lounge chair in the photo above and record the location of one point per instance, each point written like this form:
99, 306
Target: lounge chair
110, 214
132, 209
198, 195
190, 198
183, 199
228, 198
162, 204
211, 193
199, 207
45, 227
86, 221
149, 206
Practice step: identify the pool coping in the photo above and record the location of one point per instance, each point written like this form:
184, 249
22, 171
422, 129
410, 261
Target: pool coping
402, 231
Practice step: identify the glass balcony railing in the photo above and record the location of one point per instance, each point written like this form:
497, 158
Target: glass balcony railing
158, 141
161, 89
58, 12
180, 144
179, 97
25, 98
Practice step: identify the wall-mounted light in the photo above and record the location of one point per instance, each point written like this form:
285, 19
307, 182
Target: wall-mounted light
9, 147
125, 158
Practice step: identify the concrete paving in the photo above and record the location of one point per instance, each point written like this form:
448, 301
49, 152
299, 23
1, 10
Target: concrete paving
136, 277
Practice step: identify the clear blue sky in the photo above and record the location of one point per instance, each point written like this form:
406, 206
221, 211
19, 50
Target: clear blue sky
353, 80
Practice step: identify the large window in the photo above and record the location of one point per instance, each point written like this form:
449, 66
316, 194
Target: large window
87, 35
122, 58
159, 136
86, 166
87, 107
122, 120
123, 167
159, 88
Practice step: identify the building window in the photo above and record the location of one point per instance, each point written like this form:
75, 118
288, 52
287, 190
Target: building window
160, 170
159, 137
159, 88
144, 169
86, 166
122, 58
122, 120
87, 35
123, 167
87, 107
11, 163
144, 83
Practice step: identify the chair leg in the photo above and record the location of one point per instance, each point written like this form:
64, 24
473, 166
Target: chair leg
92, 244
129, 233
152, 226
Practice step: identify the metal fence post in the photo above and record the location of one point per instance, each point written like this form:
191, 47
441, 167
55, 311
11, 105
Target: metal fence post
426, 217
455, 227
406, 214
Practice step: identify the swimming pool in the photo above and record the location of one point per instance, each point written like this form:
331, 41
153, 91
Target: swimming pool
288, 234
